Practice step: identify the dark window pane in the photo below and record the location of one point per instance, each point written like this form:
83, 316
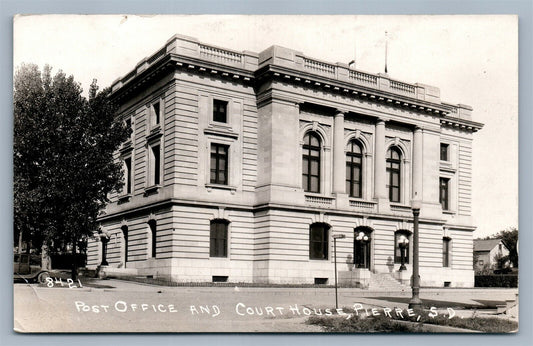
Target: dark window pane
318, 241
356, 173
219, 111
444, 152
395, 194
395, 180
156, 113
219, 164
314, 167
157, 165
444, 193
356, 190
128, 174
153, 229
218, 238
311, 163
314, 185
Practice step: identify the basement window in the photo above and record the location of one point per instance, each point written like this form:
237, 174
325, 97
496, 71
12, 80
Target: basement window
321, 281
220, 279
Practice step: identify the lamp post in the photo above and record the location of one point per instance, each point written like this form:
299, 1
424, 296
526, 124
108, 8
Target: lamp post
403, 243
415, 302
335, 237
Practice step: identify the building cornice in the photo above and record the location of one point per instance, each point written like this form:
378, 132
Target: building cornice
288, 66
461, 124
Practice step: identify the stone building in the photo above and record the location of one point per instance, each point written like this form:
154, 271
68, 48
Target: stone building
242, 166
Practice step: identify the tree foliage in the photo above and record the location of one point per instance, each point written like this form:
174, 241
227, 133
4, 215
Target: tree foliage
63, 157
510, 238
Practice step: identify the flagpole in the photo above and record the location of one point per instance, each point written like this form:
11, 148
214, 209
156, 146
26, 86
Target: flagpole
386, 48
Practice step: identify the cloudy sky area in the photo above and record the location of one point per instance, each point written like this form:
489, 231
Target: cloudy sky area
472, 59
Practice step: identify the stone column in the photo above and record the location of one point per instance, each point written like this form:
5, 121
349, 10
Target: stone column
339, 160
380, 192
417, 164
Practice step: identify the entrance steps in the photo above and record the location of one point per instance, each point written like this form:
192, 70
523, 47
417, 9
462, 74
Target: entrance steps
385, 282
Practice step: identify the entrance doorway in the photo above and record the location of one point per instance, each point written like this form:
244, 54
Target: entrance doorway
362, 247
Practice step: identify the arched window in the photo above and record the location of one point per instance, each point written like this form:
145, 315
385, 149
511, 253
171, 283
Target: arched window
311, 163
318, 241
153, 231
354, 167
218, 244
402, 239
393, 173
125, 239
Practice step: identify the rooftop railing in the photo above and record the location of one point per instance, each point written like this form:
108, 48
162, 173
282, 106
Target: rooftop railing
188, 47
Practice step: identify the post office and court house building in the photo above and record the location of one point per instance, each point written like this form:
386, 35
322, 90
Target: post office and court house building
243, 166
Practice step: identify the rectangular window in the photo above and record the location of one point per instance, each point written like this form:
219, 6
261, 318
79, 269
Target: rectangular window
444, 152
220, 111
156, 109
446, 252
128, 173
443, 197
318, 242
219, 164
393, 177
218, 245
153, 233
127, 122
155, 165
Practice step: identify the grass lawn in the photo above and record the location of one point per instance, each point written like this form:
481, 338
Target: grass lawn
384, 324
483, 304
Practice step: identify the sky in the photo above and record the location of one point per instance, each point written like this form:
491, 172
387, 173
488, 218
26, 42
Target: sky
472, 59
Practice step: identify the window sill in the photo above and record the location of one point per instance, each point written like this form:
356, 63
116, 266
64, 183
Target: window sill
151, 190
126, 147
447, 167
210, 187
362, 203
219, 258
221, 130
124, 198
318, 199
448, 212
154, 134
400, 207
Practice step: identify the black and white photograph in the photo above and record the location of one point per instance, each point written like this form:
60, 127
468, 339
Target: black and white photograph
265, 174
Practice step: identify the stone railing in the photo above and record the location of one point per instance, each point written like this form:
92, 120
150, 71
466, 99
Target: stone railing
402, 87
183, 46
219, 54
157, 55
319, 200
363, 77
363, 205
318, 66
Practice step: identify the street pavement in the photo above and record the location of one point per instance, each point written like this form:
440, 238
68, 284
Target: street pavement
120, 306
